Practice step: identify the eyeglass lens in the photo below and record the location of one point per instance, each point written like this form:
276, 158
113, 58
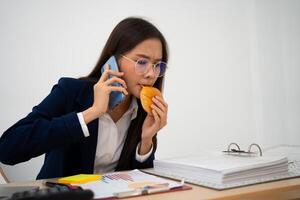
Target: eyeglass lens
143, 63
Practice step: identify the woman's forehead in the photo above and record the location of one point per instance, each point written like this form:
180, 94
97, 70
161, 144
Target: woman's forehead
150, 48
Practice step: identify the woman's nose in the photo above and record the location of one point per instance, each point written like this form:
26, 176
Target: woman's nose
150, 73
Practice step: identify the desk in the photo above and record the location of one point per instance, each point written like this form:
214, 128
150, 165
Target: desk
285, 189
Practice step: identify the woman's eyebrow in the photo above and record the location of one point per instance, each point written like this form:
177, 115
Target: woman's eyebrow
148, 57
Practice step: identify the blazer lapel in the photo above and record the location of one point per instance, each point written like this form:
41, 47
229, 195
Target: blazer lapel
88, 145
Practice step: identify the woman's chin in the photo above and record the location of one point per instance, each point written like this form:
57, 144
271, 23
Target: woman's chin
137, 91
137, 95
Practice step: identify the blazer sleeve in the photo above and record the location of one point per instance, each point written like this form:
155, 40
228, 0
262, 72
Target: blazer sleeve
146, 164
48, 126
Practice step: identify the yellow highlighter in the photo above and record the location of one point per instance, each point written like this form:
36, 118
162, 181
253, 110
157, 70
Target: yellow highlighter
80, 178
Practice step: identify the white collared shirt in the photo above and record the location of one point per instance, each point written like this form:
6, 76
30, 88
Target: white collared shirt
111, 139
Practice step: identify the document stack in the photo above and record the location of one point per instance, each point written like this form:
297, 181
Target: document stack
219, 168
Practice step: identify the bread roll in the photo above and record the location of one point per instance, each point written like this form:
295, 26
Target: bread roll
146, 95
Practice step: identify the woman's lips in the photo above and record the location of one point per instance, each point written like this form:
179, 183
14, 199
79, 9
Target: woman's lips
148, 85
141, 85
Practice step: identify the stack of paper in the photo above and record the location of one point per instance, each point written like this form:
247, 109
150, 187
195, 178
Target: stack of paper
223, 168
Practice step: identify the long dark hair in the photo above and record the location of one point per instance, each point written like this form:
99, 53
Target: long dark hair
124, 37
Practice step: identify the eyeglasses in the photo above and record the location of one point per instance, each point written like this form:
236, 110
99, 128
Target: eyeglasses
142, 66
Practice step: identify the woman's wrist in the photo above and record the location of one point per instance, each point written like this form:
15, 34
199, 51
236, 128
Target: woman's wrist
89, 115
145, 146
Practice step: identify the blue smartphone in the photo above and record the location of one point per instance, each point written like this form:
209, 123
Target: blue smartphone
115, 97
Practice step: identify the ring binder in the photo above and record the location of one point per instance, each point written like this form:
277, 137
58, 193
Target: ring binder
238, 151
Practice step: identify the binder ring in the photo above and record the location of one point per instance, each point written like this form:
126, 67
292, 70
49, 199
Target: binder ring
256, 145
228, 148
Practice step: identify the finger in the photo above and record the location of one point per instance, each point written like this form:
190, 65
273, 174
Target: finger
162, 117
159, 104
156, 117
161, 99
114, 80
115, 73
104, 74
110, 72
118, 89
158, 110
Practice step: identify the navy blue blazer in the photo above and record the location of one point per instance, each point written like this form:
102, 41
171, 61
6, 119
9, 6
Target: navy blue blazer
53, 128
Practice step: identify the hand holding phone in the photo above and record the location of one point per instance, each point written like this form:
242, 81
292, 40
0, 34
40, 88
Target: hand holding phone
115, 97
109, 91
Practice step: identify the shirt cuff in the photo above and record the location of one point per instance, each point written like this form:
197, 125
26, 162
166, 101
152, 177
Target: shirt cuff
142, 158
84, 127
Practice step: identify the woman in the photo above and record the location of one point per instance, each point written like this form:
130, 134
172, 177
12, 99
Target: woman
73, 125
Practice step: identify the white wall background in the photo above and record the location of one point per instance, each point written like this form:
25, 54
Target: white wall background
234, 65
